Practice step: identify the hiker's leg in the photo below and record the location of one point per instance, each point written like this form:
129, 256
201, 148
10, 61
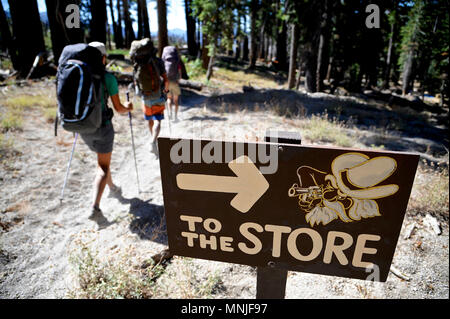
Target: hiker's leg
156, 129
169, 104
103, 176
175, 101
150, 127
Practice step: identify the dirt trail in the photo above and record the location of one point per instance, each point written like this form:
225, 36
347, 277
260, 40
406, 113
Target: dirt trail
37, 245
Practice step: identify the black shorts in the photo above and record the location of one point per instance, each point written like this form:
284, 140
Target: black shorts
102, 140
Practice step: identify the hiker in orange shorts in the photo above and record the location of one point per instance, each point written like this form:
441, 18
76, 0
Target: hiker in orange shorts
148, 71
154, 113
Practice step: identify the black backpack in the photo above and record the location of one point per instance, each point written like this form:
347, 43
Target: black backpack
79, 78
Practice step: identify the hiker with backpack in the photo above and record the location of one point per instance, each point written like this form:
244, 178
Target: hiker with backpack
173, 66
147, 73
83, 88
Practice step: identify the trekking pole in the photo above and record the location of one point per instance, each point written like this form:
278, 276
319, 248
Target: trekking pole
68, 168
168, 118
132, 142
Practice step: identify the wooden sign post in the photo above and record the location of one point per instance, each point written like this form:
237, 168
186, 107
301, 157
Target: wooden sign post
271, 281
280, 207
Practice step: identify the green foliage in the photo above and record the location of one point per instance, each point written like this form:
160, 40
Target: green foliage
425, 36
217, 20
193, 68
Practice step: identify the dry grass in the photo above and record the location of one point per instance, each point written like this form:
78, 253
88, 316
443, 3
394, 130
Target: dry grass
322, 129
183, 281
15, 106
115, 277
27, 100
224, 78
11, 122
430, 192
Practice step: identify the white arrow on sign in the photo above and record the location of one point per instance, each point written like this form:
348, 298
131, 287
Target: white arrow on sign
249, 183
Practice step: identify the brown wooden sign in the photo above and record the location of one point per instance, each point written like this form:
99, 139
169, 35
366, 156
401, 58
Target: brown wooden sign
330, 211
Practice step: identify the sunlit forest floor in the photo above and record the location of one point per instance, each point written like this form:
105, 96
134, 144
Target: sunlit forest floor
52, 250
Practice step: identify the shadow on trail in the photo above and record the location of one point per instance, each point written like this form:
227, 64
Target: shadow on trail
394, 128
148, 219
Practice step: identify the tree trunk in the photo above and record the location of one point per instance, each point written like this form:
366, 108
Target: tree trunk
146, 20
281, 47
408, 78
209, 72
299, 74
319, 63
204, 56
129, 32
245, 51
261, 50
98, 22
60, 35
293, 55
140, 20
237, 53
190, 29
322, 46
387, 71
118, 37
27, 31
253, 31
163, 39
115, 29
7, 40
310, 69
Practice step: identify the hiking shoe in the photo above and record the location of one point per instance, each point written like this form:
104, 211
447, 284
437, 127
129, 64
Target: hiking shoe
97, 216
96, 212
154, 148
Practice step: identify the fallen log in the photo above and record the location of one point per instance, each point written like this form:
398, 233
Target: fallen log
190, 84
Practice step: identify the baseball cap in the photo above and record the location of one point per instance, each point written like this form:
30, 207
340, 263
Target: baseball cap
100, 46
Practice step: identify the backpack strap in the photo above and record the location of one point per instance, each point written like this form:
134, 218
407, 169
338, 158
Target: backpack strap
107, 113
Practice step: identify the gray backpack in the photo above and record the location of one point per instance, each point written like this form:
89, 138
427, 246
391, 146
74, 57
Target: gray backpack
171, 60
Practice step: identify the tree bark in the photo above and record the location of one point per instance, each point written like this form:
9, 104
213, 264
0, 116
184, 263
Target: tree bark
163, 39
237, 53
27, 31
209, 72
119, 36
281, 47
245, 51
387, 71
293, 55
310, 69
319, 63
299, 74
253, 32
190, 29
323, 42
146, 20
204, 55
129, 32
7, 40
98, 22
139, 20
57, 17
